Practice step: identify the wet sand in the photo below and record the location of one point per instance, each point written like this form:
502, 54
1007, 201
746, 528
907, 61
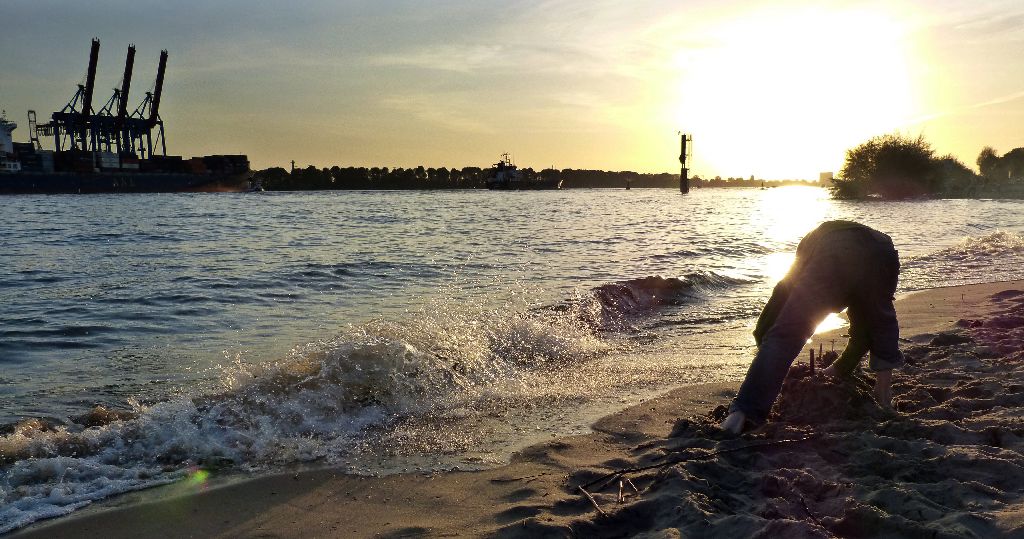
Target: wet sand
948, 463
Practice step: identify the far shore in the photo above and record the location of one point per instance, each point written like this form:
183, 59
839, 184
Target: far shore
536, 494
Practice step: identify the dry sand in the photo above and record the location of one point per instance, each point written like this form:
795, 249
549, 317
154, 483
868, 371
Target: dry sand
948, 463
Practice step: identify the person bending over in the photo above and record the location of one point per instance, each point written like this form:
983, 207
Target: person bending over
840, 264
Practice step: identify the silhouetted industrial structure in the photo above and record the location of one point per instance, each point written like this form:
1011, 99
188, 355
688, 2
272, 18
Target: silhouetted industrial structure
685, 144
78, 126
110, 149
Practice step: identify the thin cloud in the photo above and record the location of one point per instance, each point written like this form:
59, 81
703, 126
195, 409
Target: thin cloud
995, 24
429, 109
964, 108
997, 101
460, 59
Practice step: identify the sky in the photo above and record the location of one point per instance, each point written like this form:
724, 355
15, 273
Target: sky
779, 91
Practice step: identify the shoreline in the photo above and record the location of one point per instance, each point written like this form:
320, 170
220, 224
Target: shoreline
532, 489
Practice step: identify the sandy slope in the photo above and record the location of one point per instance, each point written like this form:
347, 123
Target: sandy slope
949, 464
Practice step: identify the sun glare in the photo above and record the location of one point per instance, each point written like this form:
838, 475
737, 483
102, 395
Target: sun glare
788, 213
785, 215
782, 95
832, 321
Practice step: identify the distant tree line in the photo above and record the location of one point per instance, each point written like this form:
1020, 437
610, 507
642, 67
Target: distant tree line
895, 166
1007, 169
581, 178
719, 181
339, 178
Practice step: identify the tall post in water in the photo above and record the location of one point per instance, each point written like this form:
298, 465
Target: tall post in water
684, 179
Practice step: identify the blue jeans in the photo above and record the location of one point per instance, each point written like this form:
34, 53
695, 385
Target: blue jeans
855, 269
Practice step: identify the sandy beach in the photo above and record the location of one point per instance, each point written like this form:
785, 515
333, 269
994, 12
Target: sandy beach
833, 462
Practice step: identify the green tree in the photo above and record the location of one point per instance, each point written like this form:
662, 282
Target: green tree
988, 161
956, 178
1012, 164
275, 178
889, 166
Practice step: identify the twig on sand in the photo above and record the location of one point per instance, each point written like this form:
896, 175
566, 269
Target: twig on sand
612, 476
807, 510
527, 478
631, 485
593, 502
621, 497
602, 486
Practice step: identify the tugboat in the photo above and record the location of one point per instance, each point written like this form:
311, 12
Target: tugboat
110, 150
504, 175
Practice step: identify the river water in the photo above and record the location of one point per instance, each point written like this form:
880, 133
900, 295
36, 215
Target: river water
145, 337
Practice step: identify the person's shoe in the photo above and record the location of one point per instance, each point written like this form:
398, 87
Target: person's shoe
734, 423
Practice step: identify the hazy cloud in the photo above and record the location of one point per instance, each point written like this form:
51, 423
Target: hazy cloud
432, 110
458, 58
996, 25
998, 100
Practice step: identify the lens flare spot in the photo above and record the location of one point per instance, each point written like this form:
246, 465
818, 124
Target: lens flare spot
197, 477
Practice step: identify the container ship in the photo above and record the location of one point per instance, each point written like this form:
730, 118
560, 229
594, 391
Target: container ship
109, 150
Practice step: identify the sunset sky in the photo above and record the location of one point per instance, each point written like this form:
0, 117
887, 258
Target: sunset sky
775, 92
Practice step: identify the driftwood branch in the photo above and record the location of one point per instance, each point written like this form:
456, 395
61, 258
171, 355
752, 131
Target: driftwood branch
593, 502
527, 478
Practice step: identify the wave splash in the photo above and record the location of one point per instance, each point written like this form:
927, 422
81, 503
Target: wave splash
613, 306
998, 255
314, 404
996, 244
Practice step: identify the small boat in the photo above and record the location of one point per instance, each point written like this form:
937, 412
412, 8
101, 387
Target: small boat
504, 175
255, 186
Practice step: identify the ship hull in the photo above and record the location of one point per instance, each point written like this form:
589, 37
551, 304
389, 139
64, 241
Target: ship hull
529, 185
121, 182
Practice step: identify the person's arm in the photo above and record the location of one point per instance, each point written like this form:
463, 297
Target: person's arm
771, 310
856, 347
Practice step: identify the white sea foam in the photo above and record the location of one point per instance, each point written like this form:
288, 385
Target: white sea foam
444, 362
999, 243
995, 256
311, 405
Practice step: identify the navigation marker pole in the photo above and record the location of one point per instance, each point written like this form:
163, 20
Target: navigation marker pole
685, 142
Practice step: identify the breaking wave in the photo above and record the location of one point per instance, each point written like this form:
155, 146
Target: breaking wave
314, 404
613, 306
641, 295
996, 244
995, 256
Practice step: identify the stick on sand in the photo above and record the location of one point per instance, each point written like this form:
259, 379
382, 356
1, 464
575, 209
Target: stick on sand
593, 502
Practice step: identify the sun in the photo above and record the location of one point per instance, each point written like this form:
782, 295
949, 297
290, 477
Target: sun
783, 94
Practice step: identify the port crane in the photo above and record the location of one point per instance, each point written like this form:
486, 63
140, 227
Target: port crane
78, 127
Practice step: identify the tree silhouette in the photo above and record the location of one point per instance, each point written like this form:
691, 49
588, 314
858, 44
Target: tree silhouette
987, 162
888, 166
